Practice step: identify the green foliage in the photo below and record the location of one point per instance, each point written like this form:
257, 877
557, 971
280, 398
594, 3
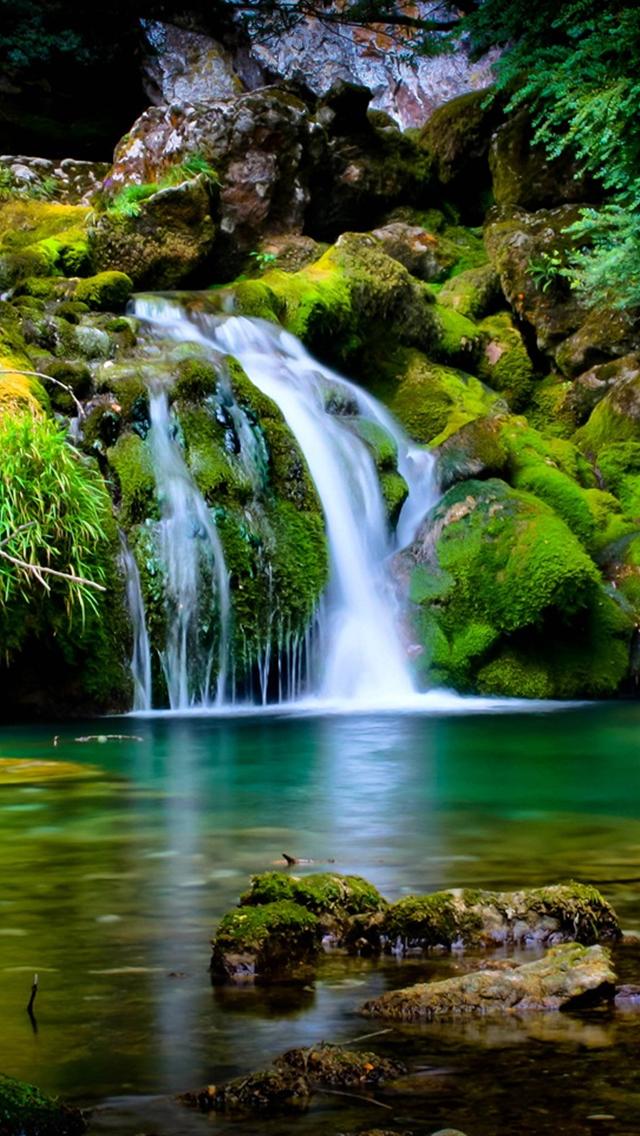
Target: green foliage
547, 269
263, 260
54, 512
128, 201
574, 66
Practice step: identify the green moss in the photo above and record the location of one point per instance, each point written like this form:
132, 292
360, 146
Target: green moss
25, 1111
431, 921
131, 460
394, 492
504, 363
275, 937
619, 465
459, 341
196, 379
220, 476
549, 411
615, 419
430, 400
40, 238
476, 450
379, 442
108, 291
473, 293
509, 602
324, 893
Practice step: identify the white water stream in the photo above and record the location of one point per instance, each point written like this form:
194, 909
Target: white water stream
364, 660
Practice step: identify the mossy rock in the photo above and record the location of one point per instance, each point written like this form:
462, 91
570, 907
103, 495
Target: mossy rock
615, 419
605, 334
619, 467
460, 340
323, 893
334, 303
394, 493
378, 441
106, 292
551, 408
501, 576
196, 379
477, 450
456, 137
504, 362
430, 400
274, 939
25, 1111
331, 1066
473, 293
131, 461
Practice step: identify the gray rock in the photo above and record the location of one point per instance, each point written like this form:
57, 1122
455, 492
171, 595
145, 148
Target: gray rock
568, 977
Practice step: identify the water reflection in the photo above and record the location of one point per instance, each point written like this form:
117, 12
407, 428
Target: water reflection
112, 886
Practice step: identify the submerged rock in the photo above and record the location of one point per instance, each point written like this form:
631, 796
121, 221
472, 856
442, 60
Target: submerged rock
333, 1066
267, 1092
25, 1111
569, 977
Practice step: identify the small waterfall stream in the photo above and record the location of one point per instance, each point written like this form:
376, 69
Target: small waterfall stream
363, 661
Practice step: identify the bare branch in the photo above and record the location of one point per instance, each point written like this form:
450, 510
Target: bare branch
47, 378
38, 570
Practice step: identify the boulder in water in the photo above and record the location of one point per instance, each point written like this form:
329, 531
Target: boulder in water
25, 1111
269, 1092
561, 913
569, 977
278, 939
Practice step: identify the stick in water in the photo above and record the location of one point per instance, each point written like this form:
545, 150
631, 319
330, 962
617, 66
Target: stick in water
34, 991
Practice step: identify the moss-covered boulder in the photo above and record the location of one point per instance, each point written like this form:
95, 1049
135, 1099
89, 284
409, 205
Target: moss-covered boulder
25, 1111
423, 254
278, 939
506, 599
569, 977
522, 174
163, 243
525, 249
616, 418
107, 291
431, 401
504, 363
605, 334
469, 918
41, 238
581, 396
473, 293
460, 341
456, 137
323, 893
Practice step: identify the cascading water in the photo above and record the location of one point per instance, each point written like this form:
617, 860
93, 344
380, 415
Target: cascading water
190, 552
141, 650
364, 661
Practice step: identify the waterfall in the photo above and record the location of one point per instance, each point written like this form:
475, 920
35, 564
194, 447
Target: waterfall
141, 651
364, 660
189, 543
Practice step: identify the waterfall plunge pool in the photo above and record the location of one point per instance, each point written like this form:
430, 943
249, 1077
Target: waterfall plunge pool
113, 884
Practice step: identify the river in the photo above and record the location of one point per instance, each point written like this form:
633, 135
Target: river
113, 883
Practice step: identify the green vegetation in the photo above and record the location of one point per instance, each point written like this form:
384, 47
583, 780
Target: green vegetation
128, 201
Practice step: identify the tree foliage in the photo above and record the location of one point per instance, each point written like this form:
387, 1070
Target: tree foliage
575, 67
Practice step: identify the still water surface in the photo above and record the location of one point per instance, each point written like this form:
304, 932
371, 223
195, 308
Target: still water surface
112, 885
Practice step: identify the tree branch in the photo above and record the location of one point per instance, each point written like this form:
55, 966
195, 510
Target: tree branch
49, 379
37, 570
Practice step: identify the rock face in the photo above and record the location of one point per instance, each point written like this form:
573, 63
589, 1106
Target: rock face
568, 977
258, 144
184, 66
